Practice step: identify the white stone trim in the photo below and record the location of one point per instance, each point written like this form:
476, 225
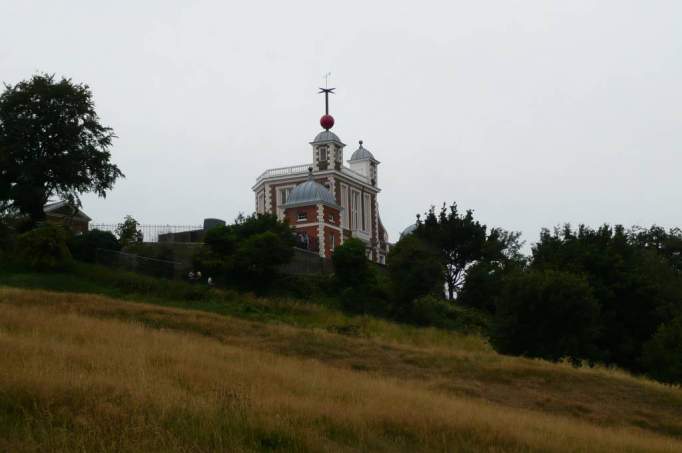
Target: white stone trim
268, 199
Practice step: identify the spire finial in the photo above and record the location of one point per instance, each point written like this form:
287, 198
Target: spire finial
310, 173
360, 142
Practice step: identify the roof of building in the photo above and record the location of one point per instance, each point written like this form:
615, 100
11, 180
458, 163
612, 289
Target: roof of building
310, 193
362, 153
326, 136
64, 208
409, 230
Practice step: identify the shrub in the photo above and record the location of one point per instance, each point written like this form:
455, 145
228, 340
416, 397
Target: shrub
84, 247
351, 266
258, 257
414, 271
546, 314
44, 248
7, 237
435, 311
662, 354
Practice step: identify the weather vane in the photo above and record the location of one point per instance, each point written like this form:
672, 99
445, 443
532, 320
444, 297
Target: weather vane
327, 91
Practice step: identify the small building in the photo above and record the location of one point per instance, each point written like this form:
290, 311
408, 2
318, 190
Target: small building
337, 202
66, 214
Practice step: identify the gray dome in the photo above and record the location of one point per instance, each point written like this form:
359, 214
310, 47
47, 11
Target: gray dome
408, 231
326, 136
310, 192
362, 154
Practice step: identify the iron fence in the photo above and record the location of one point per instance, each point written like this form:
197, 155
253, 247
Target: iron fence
150, 233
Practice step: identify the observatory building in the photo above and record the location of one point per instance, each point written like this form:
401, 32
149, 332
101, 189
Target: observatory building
324, 200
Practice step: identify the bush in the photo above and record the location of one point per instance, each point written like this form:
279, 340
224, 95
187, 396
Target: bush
438, 312
546, 314
351, 266
44, 248
84, 247
414, 271
7, 237
258, 256
662, 355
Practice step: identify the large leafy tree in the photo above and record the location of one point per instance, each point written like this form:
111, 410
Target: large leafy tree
52, 144
632, 277
462, 241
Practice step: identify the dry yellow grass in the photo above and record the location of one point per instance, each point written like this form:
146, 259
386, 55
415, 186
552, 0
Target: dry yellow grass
84, 373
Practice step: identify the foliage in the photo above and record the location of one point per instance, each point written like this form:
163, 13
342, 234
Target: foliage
7, 236
248, 252
414, 271
84, 246
546, 314
128, 232
662, 354
51, 145
351, 266
431, 310
44, 248
633, 282
258, 256
463, 241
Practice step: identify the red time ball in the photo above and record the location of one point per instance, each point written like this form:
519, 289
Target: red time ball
327, 121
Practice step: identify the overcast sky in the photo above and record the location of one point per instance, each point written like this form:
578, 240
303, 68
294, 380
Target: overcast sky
532, 113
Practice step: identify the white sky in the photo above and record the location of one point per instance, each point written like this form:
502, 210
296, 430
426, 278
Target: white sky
532, 113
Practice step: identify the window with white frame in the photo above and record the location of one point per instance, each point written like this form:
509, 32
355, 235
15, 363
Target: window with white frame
344, 205
355, 208
367, 213
302, 216
323, 153
282, 197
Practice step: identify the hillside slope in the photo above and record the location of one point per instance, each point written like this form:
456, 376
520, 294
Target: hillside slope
91, 373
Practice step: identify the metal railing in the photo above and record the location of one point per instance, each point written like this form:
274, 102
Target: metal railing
284, 171
303, 169
150, 233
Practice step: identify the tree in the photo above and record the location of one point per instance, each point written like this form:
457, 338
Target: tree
634, 283
662, 354
258, 256
248, 251
461, 241
84, 246
546, 314
351, 266
415, 271
51, 145
128, 232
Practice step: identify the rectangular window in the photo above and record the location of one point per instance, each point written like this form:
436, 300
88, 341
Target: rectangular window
282, 197
323, 153
355, 208
302, 216
331, 242
344, 205
331, 218
367, 214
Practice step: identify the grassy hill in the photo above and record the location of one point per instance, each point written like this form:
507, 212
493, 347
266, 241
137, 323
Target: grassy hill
86, 372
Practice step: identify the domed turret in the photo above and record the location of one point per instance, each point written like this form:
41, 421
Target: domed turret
361, 153
310, 193
363, 162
